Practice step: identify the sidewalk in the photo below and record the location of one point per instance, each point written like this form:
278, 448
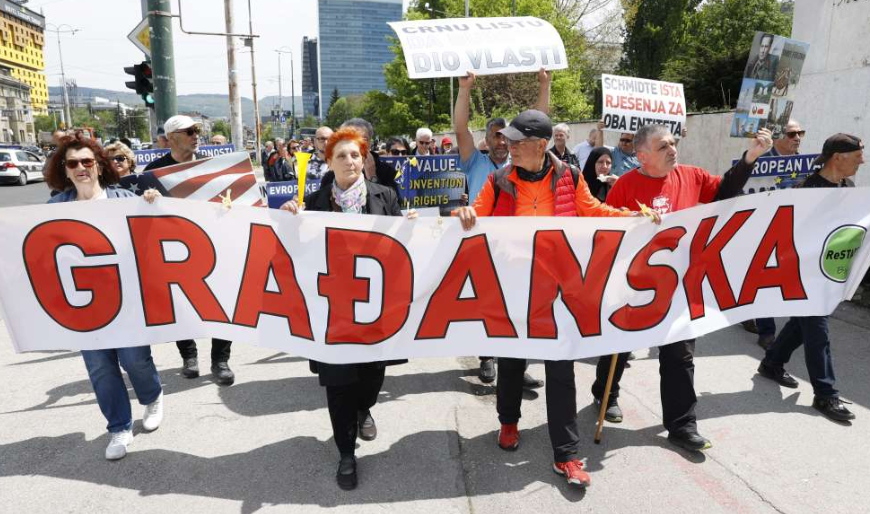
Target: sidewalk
265, 445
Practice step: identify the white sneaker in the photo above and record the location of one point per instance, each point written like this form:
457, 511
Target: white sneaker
117, 448
153, 414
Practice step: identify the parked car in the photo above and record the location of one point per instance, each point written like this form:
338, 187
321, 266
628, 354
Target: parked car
19, 166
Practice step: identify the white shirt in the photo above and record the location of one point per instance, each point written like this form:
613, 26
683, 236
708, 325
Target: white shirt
582, 152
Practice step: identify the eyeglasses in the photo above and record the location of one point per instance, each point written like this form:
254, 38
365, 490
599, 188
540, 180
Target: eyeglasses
190, 132
74, 163
119, 159
626, 140
294, 148
421, 142
396, 151
792, 133
516, 142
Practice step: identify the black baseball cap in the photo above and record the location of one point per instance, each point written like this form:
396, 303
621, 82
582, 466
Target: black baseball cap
838, 143
528, 124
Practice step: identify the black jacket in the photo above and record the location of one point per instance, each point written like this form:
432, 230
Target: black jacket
379, 200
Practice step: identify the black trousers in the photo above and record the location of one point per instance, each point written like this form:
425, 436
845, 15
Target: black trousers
561, 402
346, 402
220, 349
677, 385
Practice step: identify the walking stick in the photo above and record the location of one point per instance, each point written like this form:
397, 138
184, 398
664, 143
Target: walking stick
606, 398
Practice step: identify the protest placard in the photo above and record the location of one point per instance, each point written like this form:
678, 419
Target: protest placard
360, 288
145, 157
778, 172
629, 103
769, 81
429, 181
451, 47
277, 193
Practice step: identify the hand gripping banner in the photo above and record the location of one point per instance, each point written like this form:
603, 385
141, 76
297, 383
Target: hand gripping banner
353, 288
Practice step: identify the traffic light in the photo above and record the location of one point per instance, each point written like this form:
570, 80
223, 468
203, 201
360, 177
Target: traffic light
143, 83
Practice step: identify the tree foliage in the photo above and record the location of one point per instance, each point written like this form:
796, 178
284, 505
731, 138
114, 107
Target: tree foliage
220, 127
653, 30
711, 59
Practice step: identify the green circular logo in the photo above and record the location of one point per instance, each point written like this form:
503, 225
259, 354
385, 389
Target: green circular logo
840, 248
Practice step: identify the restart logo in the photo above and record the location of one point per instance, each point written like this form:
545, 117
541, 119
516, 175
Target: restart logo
840, 248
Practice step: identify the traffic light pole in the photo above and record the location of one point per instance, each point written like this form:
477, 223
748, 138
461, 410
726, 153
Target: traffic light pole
162, 59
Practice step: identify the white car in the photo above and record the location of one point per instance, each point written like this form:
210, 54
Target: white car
19, 166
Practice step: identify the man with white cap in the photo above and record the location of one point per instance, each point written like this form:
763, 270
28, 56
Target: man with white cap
183, 134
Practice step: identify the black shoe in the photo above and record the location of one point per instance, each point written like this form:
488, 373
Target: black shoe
765, 341
222, 373
778, 375
750, 326
368, 431
346, 474
833, 408
613, 414
487, 371
190, 368
530, 382
691, 441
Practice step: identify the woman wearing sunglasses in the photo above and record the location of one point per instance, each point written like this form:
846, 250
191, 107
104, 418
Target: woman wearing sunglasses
81, 169
397, 146
122, 158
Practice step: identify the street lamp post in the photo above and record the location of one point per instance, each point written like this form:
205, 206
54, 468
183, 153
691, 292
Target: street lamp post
58, 30
280, 51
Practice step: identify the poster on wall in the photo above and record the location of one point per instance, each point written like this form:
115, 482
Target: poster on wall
767, 94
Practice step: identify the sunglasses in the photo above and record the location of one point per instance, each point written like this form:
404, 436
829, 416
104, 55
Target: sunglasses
190, 132
396, 151
626, 140
74, 163
119, 159
792, 133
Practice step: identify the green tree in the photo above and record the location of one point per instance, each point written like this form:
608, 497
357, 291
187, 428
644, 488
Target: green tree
339, 112
653, 31
309, 121
221, 127
44, 123
334, 98
712, 57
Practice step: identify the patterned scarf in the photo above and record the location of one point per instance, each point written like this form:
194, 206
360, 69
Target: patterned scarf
354, 199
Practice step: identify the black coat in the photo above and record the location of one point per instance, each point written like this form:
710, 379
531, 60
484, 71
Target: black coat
381, 200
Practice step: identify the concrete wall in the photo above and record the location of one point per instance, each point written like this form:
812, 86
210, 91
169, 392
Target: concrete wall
834, 92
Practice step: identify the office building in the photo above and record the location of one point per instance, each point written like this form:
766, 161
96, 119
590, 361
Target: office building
22, 38
310, 78
354, 46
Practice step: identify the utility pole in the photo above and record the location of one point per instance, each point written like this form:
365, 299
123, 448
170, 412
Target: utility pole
292, 87
250, 42
58, 30
236, 132
162, 59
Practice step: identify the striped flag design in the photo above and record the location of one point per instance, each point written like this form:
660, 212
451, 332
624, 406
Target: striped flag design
210, 179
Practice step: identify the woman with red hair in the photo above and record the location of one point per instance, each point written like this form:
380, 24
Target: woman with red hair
351, 389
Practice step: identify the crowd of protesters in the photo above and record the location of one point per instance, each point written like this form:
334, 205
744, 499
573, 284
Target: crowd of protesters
520, 168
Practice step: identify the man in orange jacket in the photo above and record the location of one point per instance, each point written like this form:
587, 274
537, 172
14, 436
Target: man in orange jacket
537, 183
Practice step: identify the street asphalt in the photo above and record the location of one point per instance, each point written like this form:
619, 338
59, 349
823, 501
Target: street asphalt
265, 444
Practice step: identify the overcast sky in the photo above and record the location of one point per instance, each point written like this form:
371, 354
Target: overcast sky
96, 56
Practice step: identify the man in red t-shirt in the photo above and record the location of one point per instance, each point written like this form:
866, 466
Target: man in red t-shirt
665, 186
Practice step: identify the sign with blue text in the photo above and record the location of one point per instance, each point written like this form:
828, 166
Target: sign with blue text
429, 181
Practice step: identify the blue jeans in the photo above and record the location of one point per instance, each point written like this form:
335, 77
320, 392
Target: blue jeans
766, 326
105, 374
812, 332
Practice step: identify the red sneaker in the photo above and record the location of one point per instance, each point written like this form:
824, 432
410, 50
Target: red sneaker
509, 437
573, 471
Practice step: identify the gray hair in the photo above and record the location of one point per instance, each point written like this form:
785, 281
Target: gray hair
423, 131
501, 122
562, 127
648, 132
269, 143
361, 125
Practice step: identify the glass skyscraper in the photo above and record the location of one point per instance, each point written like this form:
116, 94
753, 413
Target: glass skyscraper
353, 45
310, 77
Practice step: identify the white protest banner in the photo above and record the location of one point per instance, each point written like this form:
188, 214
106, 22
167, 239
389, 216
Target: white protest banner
629, 103
356, 288
452, 47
